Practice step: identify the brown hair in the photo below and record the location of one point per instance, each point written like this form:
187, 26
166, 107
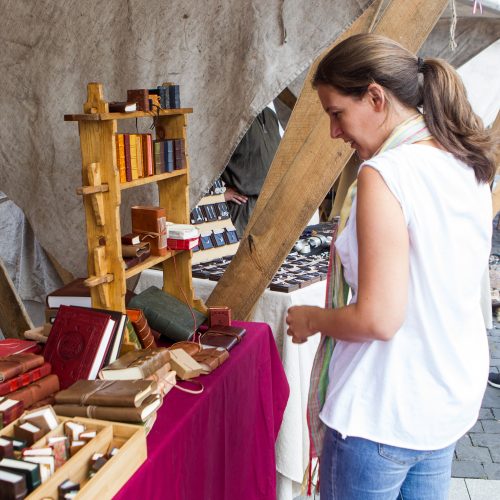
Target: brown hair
431, 83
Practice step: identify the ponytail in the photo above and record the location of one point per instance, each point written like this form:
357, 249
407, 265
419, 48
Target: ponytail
451, 120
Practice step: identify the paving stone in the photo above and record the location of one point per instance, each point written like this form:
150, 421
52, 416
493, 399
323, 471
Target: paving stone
494, 349
496, 413
492, 470
468, 469
495, 452
485, 439
479, 489
491, 398
477, 453
477, 427
491, 426
486, 414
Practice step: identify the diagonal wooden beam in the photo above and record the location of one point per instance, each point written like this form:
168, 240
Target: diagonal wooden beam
307, 170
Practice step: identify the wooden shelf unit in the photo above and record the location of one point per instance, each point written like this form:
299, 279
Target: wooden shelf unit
101, 190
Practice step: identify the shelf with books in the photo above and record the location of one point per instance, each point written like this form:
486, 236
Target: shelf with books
153, 178
101, 192
125, 116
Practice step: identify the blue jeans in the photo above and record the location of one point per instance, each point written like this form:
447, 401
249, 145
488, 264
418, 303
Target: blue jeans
358, 469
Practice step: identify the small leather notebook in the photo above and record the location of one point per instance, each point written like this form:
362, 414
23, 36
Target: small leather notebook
223, 336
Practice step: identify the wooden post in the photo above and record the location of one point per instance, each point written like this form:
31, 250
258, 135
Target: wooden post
306, 165
496, 193
14, 319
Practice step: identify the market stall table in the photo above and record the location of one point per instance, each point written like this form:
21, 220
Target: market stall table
219, 444
292, 445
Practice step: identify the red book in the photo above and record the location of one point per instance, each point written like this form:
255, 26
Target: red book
128, 164
78, 343
10, 409
24, 379
36, 391
17, 346
147, 151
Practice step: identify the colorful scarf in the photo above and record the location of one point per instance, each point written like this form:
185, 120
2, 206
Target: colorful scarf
411, 130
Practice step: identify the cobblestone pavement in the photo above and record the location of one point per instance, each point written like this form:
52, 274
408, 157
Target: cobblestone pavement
477, 454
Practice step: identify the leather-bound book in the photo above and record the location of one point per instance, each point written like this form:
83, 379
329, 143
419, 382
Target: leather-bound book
15, 364
36, 391
12, 486
141, 327
78, 343
139, 96
126, 151
28, 432
24, 379
115, 413
17, 346
223, 336
147, 152
6, 448
122, 107
10, 409
211, 358
120, 157
107, 392
136, 364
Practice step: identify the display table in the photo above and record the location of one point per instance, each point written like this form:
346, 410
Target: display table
292, 445
219, 444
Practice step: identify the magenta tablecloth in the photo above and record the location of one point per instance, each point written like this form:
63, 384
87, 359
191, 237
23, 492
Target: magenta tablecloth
220, 444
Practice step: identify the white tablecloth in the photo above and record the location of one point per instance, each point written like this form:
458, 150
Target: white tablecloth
292, 445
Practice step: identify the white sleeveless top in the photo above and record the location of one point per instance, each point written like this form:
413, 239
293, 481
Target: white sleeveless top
422, 389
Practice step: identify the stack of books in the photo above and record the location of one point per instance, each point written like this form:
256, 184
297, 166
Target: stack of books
82, 341
169, 155
134, 249
25, 380
118, 400
170, 97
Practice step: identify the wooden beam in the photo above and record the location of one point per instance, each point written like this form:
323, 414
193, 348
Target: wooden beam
305, 167
14, 319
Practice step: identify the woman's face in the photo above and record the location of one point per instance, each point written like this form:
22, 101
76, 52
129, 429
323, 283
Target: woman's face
357, 121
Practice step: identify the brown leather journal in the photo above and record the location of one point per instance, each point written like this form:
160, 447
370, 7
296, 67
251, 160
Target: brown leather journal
223, 336
15, 364
136, 364
107, 392
141, 328
36, 391
151, 224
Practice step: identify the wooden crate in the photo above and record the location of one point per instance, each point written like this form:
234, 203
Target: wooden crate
131, 439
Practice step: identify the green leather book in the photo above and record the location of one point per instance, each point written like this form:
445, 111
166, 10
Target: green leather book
166, 314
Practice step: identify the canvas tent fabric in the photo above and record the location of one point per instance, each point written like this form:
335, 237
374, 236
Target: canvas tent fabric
229, 57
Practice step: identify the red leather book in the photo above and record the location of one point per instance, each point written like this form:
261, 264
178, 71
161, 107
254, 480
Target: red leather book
24, 379
128, 164
78, 343
147, 151
10, 409
17, 346
36, 391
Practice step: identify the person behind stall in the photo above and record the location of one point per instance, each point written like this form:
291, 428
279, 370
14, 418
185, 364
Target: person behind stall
408, 372
247, 169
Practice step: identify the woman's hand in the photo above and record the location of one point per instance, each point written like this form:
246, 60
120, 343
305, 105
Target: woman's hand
232, 195
299, 321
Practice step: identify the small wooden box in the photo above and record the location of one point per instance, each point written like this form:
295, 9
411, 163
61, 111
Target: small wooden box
130, 439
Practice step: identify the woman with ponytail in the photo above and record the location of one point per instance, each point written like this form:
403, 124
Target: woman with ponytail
402, 367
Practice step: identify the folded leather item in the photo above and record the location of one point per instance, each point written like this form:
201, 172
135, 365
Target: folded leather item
190, 347
211, 358
223, 336
15, 364
136, 250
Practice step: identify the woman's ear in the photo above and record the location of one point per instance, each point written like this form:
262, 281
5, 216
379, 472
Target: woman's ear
376, 96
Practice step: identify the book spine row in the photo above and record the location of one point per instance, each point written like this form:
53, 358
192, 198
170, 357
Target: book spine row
169, 155
134, 156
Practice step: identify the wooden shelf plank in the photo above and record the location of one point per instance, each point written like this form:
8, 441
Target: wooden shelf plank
153, 178
149, 262
125, 116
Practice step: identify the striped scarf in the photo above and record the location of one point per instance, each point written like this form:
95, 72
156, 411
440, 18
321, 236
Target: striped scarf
411, 130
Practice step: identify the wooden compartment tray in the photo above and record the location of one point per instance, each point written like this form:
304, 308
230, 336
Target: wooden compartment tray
130, 439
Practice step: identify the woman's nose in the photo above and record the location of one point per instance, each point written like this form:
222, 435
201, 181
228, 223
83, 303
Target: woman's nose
335, 131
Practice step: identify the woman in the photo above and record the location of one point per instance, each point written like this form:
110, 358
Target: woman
409, 369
